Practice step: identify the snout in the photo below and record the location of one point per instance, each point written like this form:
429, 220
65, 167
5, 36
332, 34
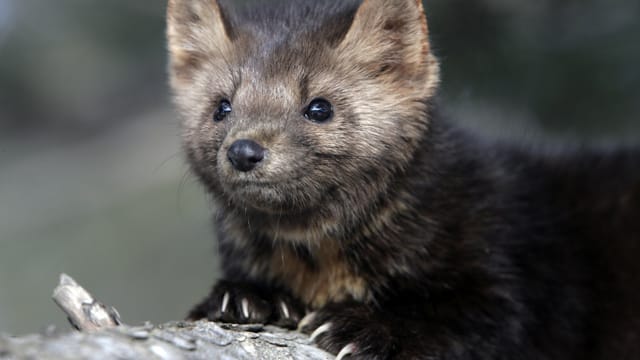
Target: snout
245, 155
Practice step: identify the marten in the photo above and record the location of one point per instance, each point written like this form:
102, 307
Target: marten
348, 207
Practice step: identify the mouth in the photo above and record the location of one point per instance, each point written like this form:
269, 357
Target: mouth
261, 195
269, 196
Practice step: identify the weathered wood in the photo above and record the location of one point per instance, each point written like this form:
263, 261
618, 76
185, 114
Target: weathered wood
84, 312
178, 340
103, 336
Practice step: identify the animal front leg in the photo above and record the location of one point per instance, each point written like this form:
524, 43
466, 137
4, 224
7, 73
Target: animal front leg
354, 330
249, 303
351, 330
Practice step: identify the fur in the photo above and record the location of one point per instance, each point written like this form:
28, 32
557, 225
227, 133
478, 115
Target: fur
398, 234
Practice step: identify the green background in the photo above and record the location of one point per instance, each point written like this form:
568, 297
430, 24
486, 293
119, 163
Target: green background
92, 181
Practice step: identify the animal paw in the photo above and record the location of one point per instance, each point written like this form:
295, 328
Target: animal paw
351, 331
243, 303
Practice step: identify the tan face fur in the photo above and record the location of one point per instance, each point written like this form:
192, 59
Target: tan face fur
374, 66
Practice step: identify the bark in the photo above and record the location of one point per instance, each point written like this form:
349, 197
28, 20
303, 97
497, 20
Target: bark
101, 335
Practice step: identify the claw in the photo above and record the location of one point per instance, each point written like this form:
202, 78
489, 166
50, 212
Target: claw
285, 309
306, 320
245, 308
225, 302
319, 331
346, 351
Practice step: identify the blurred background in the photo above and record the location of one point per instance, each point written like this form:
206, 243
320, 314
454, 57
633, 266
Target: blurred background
92, 181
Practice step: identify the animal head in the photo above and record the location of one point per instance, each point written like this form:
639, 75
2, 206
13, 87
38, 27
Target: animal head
301, 106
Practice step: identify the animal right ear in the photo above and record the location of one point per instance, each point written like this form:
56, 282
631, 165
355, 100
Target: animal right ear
196, 30
391, 37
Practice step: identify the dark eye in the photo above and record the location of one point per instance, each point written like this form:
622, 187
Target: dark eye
320, 110
224, 108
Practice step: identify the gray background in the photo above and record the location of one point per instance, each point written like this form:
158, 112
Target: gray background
92, 181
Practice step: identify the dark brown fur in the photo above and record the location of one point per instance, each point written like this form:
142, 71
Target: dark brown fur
411, 238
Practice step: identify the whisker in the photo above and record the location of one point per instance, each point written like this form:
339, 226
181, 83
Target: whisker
165, 161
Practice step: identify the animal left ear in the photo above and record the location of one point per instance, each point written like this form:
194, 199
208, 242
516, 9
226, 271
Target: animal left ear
197, 30
390, 37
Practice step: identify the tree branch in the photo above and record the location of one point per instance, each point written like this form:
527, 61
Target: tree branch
102, 336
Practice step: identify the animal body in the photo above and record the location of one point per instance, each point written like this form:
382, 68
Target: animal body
342, 195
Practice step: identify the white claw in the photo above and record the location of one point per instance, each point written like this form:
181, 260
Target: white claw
225, 302
306, 320
346, 351
322, 329
285, 309
245, 307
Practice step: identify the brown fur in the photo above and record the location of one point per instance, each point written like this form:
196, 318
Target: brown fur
409, 236
331, 279
409, 78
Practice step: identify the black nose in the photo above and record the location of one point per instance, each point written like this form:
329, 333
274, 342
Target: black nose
245, 155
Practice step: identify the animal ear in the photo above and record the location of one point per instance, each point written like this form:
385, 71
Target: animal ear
196, 30
389, 37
